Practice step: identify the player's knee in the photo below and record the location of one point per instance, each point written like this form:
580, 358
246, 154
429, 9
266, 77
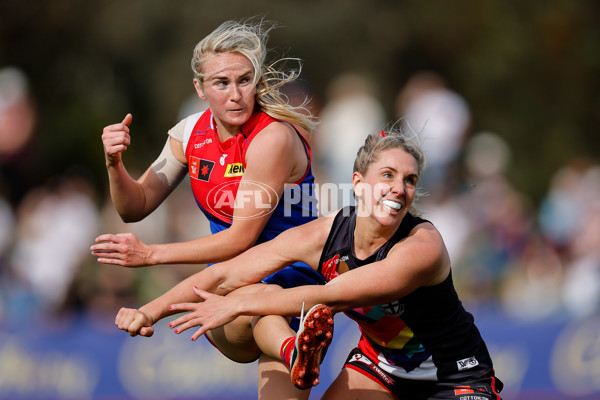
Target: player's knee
234, 345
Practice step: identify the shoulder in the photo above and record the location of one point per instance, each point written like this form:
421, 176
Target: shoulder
425, 236
263, 124
181, 129
277, 137
277, 129
425, 231
424, 248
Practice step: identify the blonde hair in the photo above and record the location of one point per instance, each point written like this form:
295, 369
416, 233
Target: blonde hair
392, 138
249, 39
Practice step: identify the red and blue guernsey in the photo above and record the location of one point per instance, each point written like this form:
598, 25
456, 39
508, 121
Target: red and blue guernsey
216, 169
426, 335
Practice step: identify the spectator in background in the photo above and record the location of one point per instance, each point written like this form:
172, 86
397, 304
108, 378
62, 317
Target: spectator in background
568, 200
18, 117
45, 227
581, 287
530, 281
55, 224
299, 93
442, 117
485, 221
17, 123
570, 221
505, 264
351, 109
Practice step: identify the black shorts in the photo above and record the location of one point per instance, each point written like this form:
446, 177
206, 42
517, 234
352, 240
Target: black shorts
485, 388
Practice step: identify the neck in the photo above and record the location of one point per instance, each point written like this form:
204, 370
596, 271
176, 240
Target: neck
225, 131
369, 235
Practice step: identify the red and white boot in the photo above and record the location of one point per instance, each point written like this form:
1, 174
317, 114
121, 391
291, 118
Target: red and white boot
313, 339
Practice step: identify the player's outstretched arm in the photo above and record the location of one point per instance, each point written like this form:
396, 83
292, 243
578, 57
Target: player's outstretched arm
420, 260
247, 268
303, 243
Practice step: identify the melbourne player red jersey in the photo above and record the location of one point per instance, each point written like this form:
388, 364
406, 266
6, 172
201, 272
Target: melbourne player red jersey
216, 167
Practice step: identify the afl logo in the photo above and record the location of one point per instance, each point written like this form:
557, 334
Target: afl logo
224, 198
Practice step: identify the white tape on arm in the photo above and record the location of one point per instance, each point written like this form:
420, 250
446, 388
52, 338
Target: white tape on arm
168, 168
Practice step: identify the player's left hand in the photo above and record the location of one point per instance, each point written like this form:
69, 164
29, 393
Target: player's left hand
213, 312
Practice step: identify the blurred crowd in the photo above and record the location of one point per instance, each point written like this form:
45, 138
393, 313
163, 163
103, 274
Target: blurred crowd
532, 261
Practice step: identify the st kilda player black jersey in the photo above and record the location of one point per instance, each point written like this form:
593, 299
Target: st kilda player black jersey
426, 335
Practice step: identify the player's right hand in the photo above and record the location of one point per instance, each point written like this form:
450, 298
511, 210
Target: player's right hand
136, 322
116, 139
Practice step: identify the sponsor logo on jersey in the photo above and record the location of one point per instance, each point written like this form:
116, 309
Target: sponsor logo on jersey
458, 390
235, 169
471, 392
329, 269
201, 144
467, 363
200, 168
335, 266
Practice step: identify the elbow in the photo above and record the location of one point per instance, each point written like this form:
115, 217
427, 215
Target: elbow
337, 307
223, 282
129, 218
131, 210
129, 214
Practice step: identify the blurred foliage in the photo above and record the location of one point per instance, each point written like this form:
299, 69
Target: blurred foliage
529, 70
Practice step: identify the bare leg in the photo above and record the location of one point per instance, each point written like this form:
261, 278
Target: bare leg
274, 381
270, 332
352, 385
235, 340
273, 374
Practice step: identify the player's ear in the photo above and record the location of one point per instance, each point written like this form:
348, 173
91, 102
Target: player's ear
357, 184
199, 89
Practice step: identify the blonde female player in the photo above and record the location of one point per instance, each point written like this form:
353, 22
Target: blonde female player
249, 141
